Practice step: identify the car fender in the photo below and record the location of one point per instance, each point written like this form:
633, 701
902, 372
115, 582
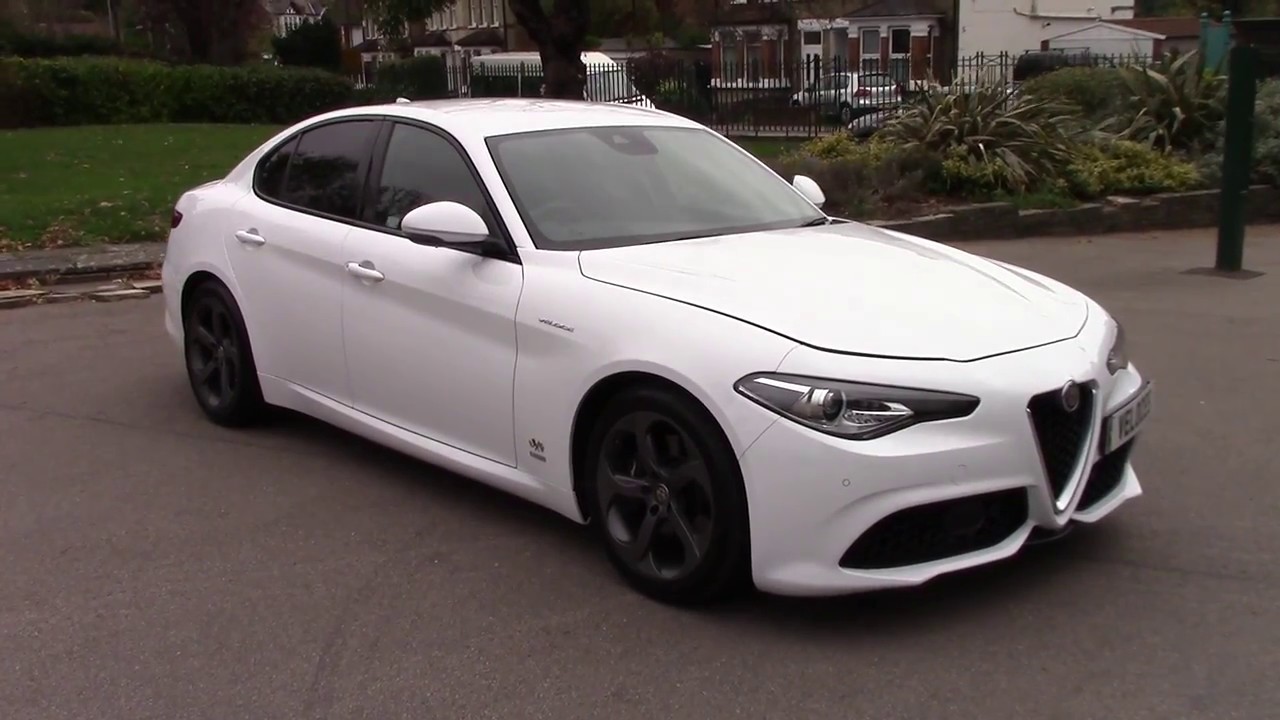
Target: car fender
573, 333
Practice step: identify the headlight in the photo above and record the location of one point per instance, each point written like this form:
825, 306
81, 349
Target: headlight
856, 411
1117, 358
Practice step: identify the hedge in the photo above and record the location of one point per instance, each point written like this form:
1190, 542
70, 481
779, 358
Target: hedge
92, 91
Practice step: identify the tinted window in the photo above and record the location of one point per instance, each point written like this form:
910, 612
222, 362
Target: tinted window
324, 174
271, 170
422, 167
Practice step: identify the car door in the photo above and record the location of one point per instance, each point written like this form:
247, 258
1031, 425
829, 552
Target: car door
880, 88
430, 331
285, 250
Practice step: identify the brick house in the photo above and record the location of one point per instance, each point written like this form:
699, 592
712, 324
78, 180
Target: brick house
767, 44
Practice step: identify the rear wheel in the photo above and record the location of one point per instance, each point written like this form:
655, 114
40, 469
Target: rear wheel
219, 360
667, 498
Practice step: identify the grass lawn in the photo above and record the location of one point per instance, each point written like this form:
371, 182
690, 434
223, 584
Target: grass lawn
117, 184
770, 148
88, 185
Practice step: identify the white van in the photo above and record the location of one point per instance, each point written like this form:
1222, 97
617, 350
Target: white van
519, 74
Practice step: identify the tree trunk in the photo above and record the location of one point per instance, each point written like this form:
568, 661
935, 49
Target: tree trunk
560, 39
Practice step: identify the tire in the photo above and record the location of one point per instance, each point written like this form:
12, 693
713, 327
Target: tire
846, 114
219, 359
696, 517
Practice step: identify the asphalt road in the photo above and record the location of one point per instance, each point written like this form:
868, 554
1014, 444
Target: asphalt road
154, 566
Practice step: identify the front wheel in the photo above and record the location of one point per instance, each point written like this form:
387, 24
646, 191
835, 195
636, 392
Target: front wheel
667, 498
846, 114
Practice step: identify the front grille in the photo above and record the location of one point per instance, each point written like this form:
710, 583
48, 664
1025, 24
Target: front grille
1105, 476
1061, 435
938, 530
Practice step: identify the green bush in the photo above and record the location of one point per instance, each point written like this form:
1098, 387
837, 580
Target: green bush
311, 44
997, 141
1098, 93
1125, 167
1177, 104
32, 45
418, 78
860, 178
84, 91
1266, 134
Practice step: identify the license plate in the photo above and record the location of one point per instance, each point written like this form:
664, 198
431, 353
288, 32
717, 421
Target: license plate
1123, 424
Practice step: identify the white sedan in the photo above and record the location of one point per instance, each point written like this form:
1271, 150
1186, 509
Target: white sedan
618, 314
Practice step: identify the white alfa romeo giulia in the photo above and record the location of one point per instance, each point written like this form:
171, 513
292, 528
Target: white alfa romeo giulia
620, 315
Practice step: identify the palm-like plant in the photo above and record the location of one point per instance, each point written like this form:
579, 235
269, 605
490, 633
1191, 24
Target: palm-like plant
1018, 140
1176, 102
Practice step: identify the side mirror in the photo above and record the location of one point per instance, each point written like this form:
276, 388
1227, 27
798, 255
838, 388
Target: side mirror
444, 222
809, 189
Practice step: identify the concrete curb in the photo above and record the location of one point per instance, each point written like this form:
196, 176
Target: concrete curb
1165, 211
123, 289
63, 262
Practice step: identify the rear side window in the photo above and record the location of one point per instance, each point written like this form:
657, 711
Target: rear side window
271, 172
326, 171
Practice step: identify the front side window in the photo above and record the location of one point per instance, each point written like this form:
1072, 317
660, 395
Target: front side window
325, 172
634, 185
422, 167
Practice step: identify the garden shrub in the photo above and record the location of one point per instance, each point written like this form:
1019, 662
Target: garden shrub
861, 177
1177, 104
999, 142
1266, 134
1099, 93
418, 78
82, 91
34, 45
1126, 167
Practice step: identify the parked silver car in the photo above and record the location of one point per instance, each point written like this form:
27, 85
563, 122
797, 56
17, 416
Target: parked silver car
847, 92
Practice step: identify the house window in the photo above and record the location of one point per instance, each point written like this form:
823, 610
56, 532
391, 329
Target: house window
812, 37
496, 12
900, 54
475, 13
730, 58
869, 44
453, 15
754, 56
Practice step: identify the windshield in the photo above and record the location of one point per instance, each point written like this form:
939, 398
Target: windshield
586, 188
610, 86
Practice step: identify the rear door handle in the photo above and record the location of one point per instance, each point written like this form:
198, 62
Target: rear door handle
250, 237
365, 271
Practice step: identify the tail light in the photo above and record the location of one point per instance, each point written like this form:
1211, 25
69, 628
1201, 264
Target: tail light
176, 220
861, 92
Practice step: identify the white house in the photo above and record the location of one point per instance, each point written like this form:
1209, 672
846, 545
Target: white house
289, 15
1148, 37
1016, 26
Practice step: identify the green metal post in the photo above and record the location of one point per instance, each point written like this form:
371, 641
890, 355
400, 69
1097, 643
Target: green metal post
1237, 154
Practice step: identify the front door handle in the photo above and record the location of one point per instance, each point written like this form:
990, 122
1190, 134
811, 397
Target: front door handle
365, 271
250, 237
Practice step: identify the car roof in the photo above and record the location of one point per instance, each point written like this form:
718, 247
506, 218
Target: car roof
490, 117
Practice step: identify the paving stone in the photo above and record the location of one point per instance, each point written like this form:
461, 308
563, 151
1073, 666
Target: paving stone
115, 295
55, 298
19, 298
151, 286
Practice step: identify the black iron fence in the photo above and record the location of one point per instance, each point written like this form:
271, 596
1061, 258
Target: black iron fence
783, 99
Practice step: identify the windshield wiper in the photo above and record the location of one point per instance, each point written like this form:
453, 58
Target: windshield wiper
824, 220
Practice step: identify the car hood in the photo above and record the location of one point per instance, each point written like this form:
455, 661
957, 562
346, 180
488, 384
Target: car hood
853, 288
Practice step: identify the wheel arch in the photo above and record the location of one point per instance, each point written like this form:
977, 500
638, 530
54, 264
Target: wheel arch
593, 404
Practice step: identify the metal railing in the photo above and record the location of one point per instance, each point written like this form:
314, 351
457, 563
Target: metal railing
783, 99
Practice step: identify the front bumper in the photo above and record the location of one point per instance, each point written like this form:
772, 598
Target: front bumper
833, 516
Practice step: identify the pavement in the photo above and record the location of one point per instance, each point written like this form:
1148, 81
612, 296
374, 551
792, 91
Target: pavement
155, 566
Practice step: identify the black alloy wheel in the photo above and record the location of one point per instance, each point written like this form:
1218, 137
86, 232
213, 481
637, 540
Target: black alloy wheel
668, 498
219, 360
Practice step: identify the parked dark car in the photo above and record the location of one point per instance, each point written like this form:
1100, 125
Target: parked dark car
1042, 62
